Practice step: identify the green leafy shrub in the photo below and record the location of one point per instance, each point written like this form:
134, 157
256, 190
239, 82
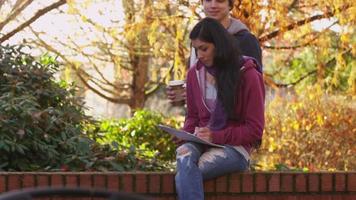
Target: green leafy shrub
313, 130
41, 120
139, 134
43, 125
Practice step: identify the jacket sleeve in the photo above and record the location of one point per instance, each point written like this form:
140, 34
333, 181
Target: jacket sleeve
249, 46
250, 130
192, 117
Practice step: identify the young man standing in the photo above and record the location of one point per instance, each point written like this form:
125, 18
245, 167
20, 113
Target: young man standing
246, 41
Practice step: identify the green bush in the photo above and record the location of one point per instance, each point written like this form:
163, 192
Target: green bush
41, 120
313, 130
139, 134
43, 125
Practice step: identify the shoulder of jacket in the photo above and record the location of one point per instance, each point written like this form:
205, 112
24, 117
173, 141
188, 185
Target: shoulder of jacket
245, 34
249, 64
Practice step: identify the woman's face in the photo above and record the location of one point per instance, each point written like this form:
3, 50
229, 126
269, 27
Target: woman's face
205, 51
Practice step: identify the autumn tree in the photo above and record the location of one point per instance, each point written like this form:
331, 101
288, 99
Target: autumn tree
145, 51
296, 49
150, 45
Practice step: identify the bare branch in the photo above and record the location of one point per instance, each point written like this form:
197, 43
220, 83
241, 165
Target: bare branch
32, 19
307, 43
81, 74
298, 24
329, 63
15, 13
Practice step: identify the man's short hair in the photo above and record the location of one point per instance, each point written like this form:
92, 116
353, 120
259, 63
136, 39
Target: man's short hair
231, 3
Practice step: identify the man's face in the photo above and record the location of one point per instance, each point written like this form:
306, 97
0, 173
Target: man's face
217, 9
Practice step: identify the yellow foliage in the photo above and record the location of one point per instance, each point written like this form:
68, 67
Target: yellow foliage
319, 133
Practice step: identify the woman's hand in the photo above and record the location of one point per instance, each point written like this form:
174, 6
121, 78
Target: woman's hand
204, 133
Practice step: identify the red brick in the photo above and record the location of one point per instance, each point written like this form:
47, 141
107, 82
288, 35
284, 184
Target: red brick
291, 197
247, 197
247, 182
260, 182
14, 182
85, 180
340, 182
314, 183
337, 197
169, 198
2, 183
164, 198
113, 182
71, 180
349, 197
28, 180
127, 182
286, 182
351, 182
154, 185
141, 183
99, 181
228, 197
279, 196
221, 184
325, 197
42, 180
235, 183
211, 198
300, 183
57, 180
209, 185
261, 197
326, 182
274, 182
306, 196
168, 183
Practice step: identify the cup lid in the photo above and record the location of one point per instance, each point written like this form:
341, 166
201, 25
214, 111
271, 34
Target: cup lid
176, 82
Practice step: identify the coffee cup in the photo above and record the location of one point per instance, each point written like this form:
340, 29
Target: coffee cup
177, 91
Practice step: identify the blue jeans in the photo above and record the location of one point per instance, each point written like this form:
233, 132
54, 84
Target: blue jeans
195, 165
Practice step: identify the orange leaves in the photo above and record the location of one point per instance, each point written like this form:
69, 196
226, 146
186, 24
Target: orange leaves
315, 131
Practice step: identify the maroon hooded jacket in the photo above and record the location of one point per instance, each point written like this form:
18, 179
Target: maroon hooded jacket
249, 108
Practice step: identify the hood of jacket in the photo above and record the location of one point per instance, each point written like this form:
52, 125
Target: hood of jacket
236, 26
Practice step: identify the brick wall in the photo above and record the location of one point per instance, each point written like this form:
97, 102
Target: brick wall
160, 186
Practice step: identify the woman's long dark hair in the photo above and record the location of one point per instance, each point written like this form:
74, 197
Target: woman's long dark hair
227, 60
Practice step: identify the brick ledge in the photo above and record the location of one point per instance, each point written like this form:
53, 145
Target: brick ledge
160, 185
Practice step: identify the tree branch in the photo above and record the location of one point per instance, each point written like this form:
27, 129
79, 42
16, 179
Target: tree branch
301, 45
15, 13
32, 19
81, 73
296, 24
329, 63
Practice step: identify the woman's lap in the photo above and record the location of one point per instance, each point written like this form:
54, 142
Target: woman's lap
214, 162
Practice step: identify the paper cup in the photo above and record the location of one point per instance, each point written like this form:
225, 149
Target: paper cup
178, 87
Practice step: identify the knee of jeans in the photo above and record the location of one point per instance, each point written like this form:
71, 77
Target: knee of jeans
210, 157
184, 150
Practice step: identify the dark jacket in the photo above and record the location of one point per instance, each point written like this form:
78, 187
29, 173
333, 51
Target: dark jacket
249, 46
